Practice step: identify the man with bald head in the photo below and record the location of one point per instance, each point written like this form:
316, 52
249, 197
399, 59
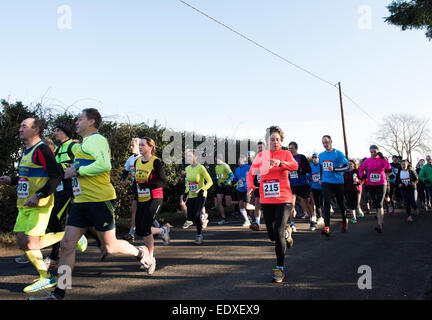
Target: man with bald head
37, 180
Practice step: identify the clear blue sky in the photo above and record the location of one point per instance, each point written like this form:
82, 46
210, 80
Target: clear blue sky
160, 60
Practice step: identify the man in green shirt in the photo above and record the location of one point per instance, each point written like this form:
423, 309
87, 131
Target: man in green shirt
425, 175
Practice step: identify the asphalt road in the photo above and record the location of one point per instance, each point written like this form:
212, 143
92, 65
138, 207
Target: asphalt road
236, 263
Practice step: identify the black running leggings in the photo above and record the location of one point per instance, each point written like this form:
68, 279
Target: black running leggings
317, 195
276, 217
338, 190
56, 224
194, 209
409, 200
377, 194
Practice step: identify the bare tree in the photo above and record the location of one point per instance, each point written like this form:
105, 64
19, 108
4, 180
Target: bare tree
402, 134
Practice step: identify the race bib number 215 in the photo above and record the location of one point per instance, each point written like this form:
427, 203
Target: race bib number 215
271, 188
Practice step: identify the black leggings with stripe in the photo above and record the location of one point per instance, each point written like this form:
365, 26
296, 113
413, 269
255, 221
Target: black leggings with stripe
276, 217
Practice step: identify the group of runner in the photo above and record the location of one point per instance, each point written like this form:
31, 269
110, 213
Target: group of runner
74, 181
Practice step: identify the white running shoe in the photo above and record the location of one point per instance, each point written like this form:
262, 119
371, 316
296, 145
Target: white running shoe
22, 259
187, 224
205, 223
151, 268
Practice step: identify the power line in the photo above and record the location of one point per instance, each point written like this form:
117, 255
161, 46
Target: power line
277, 55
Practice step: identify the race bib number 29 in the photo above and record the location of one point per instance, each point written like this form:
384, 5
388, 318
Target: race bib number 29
23, 188
271, 189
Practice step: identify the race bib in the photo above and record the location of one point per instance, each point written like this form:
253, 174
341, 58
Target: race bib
193, 187
316, 177
293, 174
327, 164
271, 189
240, 184
76, 188
23, 190
143, 193
375, 177
60, 187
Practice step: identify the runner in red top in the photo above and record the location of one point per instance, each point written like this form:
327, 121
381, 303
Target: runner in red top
275, 193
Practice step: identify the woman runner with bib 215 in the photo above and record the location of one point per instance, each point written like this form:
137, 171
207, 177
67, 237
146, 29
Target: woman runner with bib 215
275, 193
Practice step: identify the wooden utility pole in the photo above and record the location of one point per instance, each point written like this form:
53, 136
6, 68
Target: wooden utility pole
343, 120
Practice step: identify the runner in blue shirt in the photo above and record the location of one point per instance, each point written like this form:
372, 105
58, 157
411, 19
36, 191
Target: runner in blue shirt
241, 187
334, 164
300, 186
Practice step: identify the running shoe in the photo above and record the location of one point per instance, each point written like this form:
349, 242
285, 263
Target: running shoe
51, 296
278, 275
360, 214
246, 224
410, 219
22, 259
151, 268
166, 235
391, 210
326, 231
187, 224
204, 217
42, 283
198, 239
254, 226
305, 216
293, 228
222, 221
288, 238
82, 243
129, 237
146, 260
353, 220
50, 263
205, 223
320, 220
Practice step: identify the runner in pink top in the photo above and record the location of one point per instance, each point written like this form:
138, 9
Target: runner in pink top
376, 167
275, 193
